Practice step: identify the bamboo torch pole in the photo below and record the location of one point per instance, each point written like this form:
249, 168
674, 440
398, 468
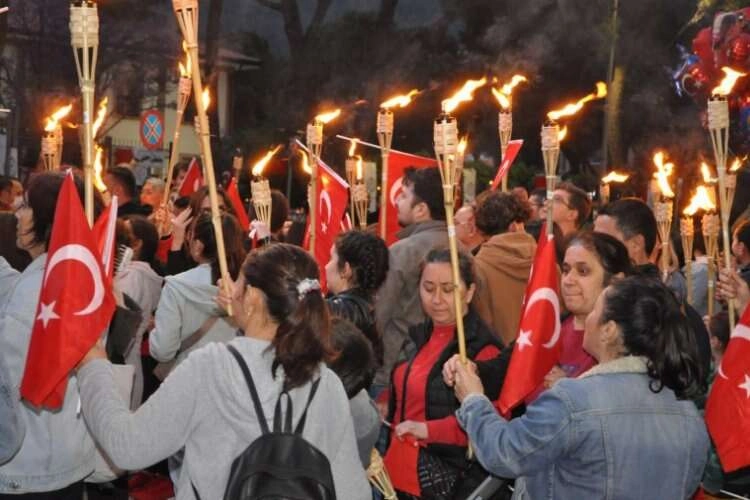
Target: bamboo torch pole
186, 12
184, 89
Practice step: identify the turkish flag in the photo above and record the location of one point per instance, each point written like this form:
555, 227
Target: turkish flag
537, 347
728, 405
193, 180
510, 155
75, 304
234, 197
397, 163
333, 194
104, 233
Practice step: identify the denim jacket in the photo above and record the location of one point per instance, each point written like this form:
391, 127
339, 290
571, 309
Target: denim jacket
57, 449
605, 435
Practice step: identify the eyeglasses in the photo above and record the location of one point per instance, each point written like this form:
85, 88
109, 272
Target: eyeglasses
559, 199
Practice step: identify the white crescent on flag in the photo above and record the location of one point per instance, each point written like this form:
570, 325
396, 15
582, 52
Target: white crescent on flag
395, 189
550, 296
325, 199
85, 257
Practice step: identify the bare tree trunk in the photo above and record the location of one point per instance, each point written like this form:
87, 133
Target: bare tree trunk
387, 14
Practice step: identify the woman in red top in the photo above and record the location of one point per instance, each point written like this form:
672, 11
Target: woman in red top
427, 454
592, 261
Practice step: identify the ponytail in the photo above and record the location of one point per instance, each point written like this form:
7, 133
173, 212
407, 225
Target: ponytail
653, 325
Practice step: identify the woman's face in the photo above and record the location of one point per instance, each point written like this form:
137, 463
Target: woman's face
25, 228
582, 280
335, 279
436, 292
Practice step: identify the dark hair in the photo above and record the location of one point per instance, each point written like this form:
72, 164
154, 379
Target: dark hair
443, 256
279, 210
540, 192
196, 200
428, 189
742, 233
367, 255
653, 325
41, 196
578, 200
302, 338
5, 183
633, 217
718, 326
497, 210
355, 362
182, 202
609, 251
144, 230
125, 178
203, 231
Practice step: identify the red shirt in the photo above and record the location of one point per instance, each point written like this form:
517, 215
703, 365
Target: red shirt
443, 430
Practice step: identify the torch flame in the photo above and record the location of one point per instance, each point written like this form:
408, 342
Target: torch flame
706, 172
100, 115
359, 167
465, 94
327, 117
461, 148
503, 94
353, 146
206, 99
725, 87
736, 164
701, 200
54, 119
573, 108
186, 69
562, 134
98, 182
401, 101
258, 167
502, 99
663, 171
306, 163
614, 176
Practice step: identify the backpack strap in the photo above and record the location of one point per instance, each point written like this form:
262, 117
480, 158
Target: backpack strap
251, 386
301, 423
277, 414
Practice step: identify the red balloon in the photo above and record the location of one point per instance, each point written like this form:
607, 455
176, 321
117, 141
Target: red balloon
739, 52
695, 80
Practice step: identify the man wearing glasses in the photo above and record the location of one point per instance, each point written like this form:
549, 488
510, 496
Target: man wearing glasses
571, 207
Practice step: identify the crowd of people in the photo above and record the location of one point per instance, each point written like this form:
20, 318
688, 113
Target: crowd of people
372, 362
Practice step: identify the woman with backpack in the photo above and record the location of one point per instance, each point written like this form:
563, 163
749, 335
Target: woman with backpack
205, 405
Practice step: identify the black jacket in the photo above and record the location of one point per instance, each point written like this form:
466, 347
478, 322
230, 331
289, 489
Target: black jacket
355, 306
440, 399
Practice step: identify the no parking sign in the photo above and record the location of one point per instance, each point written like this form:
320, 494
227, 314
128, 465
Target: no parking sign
151, 129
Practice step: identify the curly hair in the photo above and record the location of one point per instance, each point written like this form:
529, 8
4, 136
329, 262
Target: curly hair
367, 255
497, 210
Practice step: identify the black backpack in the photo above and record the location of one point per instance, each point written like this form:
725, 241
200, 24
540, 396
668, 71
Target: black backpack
279, 465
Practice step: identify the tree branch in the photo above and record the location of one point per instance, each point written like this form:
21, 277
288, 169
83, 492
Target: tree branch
271, 4
387, 13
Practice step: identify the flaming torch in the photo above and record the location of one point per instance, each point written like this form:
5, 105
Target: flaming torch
378, 476
505, 116
186, 12
385, 137
315, 145
701, 200
718, 126
351, 174
552, 135
710, 225
445, 135
359, 196
52, 138
663, 209
184, 88
613, 176
204, 104
101, 114
261, 189
84, 38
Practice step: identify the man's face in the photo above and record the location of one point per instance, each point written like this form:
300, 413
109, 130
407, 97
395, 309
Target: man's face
562, 212
405, 205
6, 196
111, 184
464, 220
17, 189
151, 195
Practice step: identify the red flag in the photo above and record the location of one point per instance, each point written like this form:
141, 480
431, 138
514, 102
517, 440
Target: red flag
104, 233
510, 154
75, 304
397, 163
537, 347
193, 179
333, 193
234, 197
728, 405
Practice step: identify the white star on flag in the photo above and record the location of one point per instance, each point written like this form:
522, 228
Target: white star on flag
47, 313
746, 385
524, 339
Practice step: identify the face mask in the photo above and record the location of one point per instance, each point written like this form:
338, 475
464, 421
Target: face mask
17, 202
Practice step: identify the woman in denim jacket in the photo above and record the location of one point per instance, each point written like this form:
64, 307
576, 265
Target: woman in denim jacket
626, 429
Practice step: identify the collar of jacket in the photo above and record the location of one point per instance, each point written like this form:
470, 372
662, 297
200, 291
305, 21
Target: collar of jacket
419, 227
420, 334
625, 364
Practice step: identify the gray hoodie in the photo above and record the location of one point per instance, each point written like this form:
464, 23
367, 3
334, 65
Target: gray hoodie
204, 406
187, 301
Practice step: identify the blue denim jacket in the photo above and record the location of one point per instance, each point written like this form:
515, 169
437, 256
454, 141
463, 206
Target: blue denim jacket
604, 435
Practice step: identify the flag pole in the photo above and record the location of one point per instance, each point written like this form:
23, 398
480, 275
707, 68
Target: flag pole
184, 89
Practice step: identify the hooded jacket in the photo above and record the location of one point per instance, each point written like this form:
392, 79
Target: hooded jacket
503, 265
187, 301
